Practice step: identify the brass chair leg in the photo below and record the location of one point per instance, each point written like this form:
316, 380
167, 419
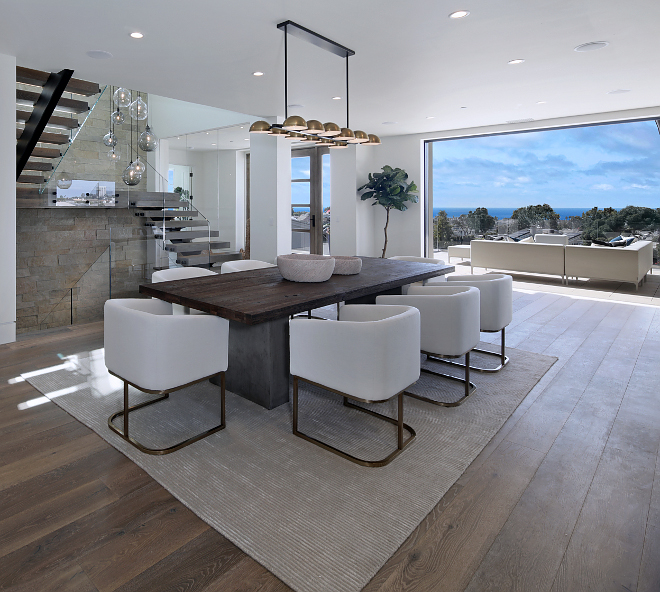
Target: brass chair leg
504, 359
401, 444
125, 413
470, 387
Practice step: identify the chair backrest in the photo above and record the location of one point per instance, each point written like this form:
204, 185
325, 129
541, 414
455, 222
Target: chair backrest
449, 317
496, 297
417, 259
179, 273
155, 350
371, 353
243, 265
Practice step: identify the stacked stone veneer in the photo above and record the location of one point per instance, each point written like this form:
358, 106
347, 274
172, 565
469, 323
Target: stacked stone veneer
63, 248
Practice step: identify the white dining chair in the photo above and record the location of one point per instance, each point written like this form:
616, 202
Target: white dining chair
496, 297
404, 289
371, 355
449, 328
138, 336
181, 273
244, 265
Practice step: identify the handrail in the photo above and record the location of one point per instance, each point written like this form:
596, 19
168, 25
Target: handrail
72, 140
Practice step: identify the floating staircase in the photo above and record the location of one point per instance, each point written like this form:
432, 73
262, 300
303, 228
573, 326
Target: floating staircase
173, 225
33, 105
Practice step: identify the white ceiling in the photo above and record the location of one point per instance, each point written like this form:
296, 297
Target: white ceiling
411, 62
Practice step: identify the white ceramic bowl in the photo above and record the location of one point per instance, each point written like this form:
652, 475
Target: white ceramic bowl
305, 268
347, 265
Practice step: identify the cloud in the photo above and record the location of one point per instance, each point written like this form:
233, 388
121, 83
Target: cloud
603, 187
636, 186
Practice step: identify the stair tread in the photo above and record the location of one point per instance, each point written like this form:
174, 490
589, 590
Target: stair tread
192, 247
33, 179
32, 165
178, 223
68, 122
186, 234
46, 153
39, 78
168, 214
201, 259
47, 137
64, 104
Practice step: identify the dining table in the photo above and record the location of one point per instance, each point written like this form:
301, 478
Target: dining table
259, 304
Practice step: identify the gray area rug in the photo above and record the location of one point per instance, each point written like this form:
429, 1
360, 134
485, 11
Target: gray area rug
315, 520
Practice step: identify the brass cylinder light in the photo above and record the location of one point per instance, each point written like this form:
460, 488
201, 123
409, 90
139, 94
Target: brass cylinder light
294, 123
338, 145
295, 136
324, 142
374, 140
360, 137
346, 134
277, 131
330, 129
260, 127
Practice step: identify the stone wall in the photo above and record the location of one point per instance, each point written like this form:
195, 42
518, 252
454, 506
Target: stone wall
59, 249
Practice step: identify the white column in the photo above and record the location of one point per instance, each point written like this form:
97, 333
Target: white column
344, 202
270, 197
8, 198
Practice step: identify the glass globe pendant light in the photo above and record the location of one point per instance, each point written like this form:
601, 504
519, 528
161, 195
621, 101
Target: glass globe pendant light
131, 175
118, 117
122, 97
64, 181
138, 109
110, 139
148, 141
139, 166
114, 155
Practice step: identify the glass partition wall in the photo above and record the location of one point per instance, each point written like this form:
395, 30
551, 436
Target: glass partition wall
591, 183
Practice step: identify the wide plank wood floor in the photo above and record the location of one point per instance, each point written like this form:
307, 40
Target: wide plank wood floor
566, 497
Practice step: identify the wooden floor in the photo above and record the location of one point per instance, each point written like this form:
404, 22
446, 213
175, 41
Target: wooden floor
566, 497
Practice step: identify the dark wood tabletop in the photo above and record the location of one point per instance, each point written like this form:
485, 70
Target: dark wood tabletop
261, 295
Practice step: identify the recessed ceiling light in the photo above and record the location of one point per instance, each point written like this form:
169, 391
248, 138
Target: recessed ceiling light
459, 14
431, 117
137, 35
619, 91
242, 127
294, 106
336, 98
517, 61
246, 139
389, 122
257, 73
591, 46
213, 144
99, 54
463, 107
207, 133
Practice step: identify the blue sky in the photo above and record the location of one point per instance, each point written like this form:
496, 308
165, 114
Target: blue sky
300, 170
604, 166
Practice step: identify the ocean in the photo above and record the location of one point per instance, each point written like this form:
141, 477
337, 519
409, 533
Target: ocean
501, 213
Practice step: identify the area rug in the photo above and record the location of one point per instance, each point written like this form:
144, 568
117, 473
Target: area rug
315, 520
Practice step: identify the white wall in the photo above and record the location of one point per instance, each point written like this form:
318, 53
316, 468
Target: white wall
270, 197
406, 229
171, 117
8, 198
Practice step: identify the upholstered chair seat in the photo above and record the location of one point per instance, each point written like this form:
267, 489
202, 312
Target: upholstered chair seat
449, 326
371, 354
404, 289
139, 334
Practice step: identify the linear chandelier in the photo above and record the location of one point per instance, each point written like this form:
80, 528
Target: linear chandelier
295, 127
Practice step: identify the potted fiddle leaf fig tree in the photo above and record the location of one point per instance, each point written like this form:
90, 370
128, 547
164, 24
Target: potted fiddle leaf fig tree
391, 190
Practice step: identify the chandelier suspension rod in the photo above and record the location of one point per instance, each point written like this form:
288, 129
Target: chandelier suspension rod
348, 126
286, 73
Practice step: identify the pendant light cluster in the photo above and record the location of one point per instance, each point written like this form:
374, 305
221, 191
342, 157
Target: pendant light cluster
295, 127
147, 140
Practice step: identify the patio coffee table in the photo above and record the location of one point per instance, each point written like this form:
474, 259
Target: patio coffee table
461, 251
259, 303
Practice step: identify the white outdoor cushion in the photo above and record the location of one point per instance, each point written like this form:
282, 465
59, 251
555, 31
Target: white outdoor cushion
496, 297
244, 265
552, 239
140, 335
371, 353
449, 316
528, 239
